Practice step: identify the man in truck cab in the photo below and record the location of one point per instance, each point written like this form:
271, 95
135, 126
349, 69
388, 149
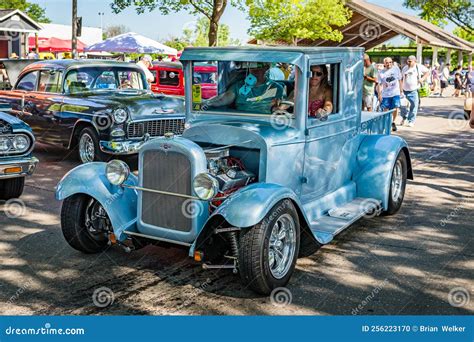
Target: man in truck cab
259, 92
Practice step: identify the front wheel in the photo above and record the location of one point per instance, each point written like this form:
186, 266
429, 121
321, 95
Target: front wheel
268, 250
85, 224
11, 188
398, 184
88, 146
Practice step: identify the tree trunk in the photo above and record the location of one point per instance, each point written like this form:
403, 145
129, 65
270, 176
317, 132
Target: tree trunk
213, 31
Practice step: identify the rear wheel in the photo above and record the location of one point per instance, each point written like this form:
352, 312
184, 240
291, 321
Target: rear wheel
398, 183
85, 224
11, 188
268, 250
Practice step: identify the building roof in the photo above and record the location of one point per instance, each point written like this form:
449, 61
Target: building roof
372, 25
25, 25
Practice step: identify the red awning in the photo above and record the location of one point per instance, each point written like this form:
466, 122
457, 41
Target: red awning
54, 44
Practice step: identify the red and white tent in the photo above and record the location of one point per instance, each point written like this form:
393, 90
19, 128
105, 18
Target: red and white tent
54, 44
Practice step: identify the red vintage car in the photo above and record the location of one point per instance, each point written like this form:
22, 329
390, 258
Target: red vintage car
169, 78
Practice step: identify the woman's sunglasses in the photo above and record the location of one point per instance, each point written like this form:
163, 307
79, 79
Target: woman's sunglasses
317, 73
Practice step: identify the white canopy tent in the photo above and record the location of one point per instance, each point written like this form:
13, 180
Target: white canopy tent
132, 42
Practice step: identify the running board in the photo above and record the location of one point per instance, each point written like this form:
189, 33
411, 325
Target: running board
338, 219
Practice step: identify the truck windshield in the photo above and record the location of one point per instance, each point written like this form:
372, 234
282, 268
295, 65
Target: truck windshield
245, 88
103, 78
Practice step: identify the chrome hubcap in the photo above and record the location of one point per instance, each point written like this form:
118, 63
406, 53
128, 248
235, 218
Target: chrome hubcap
86, 148
282, 246
397, 181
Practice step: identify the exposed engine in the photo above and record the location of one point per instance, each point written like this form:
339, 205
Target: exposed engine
229, 171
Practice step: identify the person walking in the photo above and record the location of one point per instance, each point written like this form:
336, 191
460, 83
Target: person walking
413, 76
469, 82
435, 79
443, 78
458, 82
370, 78
389, 82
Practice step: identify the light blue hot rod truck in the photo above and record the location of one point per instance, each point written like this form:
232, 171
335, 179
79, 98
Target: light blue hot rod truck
273, 167
16, 160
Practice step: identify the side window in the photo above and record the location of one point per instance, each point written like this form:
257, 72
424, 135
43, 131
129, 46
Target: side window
323, 97
28, 82
49, 81
170, 78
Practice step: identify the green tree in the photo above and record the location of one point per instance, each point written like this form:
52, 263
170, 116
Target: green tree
211, 9
461, 33
460, 12
292, 20
34, 11
195, 34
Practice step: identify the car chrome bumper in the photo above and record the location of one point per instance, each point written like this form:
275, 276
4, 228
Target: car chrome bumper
17, 167
124, 147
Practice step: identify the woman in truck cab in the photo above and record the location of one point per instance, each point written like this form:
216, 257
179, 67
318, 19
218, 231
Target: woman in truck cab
320, 92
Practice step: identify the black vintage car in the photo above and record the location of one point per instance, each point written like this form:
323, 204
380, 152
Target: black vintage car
102, 108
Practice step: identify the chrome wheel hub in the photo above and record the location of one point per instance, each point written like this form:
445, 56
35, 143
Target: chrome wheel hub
86, 148
282, 246
397, 181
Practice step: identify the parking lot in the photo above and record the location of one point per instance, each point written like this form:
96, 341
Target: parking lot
417, 262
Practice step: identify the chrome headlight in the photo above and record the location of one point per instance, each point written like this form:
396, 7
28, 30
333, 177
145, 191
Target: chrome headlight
117, 172
5, 144
205, 186
120, 115
21, 143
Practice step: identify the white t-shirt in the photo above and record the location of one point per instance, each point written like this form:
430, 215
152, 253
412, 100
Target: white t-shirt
149, 76
444, 74
411, 76
389, 79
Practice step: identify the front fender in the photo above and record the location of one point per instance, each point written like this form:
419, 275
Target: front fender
248, 206
119, 203
375, 160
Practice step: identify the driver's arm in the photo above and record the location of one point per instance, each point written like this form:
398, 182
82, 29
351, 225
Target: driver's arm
223, 99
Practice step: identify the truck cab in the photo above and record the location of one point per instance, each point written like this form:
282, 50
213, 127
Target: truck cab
271, 168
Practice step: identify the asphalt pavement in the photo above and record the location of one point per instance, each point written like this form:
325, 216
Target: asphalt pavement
418, 262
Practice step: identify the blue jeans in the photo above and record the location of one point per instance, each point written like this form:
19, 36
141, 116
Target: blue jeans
412, 97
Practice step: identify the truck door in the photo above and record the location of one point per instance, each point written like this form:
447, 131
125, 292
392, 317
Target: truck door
330, 142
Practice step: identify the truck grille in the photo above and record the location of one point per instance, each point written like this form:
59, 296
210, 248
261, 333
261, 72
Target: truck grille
155, 128
171, 172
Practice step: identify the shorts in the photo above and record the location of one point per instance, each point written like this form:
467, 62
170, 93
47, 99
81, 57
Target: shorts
444, 84
458, 86
389, 103
367, 101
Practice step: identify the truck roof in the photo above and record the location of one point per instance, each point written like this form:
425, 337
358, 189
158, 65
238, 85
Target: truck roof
292, 55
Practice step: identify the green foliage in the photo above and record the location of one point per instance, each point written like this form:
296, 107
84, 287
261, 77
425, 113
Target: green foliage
211, 9
195, 34
461, 33
460, 12
34, 11
291, 20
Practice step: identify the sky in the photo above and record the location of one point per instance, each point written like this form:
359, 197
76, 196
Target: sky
153, 24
